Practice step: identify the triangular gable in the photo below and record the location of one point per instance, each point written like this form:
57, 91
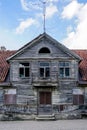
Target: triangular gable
45, 36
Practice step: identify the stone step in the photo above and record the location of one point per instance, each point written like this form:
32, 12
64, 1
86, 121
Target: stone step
45, 117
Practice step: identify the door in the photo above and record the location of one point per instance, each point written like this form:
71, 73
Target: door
45, 106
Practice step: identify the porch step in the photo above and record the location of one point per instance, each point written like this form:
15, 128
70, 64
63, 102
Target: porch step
45, 117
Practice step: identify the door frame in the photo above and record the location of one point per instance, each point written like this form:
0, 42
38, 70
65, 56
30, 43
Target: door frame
38, 97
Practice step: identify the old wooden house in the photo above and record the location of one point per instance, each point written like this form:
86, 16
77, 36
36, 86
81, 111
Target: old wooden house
43, 77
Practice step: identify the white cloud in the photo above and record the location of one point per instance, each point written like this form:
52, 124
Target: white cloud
30, 5
24, 25
24, 5
52, 0
69, 29
37, 5
71, 9
51, 10
78, 39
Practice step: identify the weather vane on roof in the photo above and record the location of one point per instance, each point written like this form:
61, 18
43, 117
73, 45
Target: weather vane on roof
43, 2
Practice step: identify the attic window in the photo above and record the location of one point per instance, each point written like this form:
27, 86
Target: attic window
44, 50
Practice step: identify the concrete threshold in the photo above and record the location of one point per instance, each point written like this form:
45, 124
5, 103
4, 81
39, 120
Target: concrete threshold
45, 117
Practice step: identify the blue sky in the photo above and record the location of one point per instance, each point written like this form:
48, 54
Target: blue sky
22, 20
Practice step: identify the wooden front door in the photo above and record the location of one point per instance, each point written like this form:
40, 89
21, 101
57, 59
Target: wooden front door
45, 106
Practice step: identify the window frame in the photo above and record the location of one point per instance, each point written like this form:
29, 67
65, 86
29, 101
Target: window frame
10, 96
44, 50
24, 68
45, 69
78, 99
63, 67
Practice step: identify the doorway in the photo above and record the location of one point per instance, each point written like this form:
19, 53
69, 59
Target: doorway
45, 103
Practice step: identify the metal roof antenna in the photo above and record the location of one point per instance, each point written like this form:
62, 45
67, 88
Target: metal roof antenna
44, 16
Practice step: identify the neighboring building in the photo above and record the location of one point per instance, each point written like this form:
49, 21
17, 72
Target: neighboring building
44, 77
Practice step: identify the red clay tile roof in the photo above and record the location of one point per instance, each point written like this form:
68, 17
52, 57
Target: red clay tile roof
4, 66
83, 64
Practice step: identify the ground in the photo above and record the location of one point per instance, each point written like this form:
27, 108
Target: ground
44, 125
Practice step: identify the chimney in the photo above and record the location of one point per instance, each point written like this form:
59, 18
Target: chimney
2, 48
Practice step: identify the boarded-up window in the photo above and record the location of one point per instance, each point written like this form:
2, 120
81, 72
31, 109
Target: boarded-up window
78, 97
10, 96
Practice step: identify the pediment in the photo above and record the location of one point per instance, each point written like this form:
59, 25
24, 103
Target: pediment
33, 48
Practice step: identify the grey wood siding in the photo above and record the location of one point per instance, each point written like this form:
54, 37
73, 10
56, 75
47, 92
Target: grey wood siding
14, 71
28, 88
32, 52
34, 70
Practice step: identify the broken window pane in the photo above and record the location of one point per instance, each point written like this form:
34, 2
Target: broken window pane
21, 72
42, 72
47, 72
24, 70
67, 72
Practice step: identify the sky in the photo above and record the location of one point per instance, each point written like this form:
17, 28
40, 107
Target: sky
22, 20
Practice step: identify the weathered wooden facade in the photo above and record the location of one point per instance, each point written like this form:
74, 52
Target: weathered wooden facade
44, 77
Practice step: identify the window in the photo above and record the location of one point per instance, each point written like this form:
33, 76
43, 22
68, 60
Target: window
78, 97
24, 70
64, 69
44, 70
44, 50
10, 96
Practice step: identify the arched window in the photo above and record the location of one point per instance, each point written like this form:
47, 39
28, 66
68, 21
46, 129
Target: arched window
44, 50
